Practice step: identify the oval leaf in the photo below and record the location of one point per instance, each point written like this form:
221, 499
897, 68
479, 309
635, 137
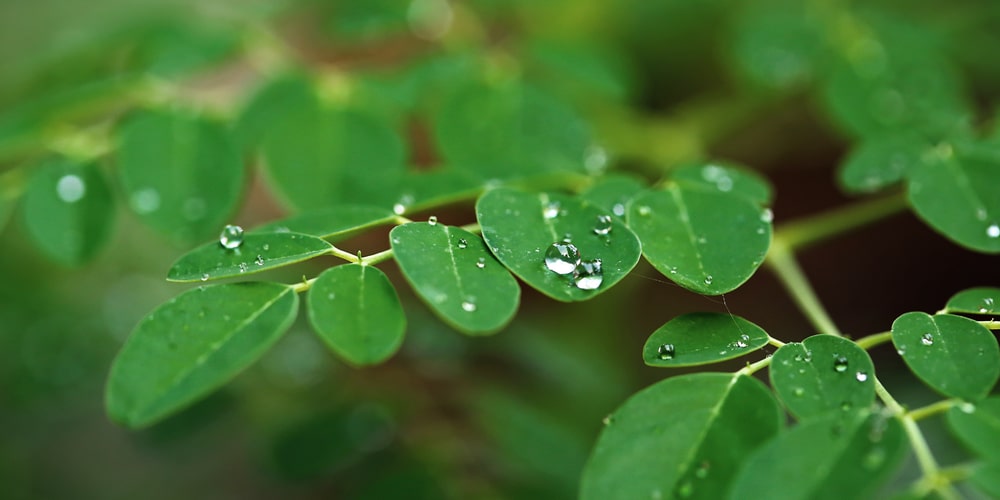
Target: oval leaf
356, 311
613, 192
331, 223
193, 344
520, 227
823, 374
258, 252
707, 241
825, 458
683, 437
881, 161
702, 338
981, 300
954, 355
68, 211
978, 426
727, 179
454, 273
955, 193
182, 175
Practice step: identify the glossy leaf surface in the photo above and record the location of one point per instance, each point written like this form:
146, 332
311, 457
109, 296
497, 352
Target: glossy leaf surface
978, 427
702, 338
612, 192
685, 436
707, 241
520, 227
825, 458
183, 175
258, 252
726, 179
331, 223
454, 273
980, 300
193, 344
823, 374
68, 211
356, 311
954, 355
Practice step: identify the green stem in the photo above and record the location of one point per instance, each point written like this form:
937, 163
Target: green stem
775, 342
751, 368
809, 230
932, 409
873, 340
783, 264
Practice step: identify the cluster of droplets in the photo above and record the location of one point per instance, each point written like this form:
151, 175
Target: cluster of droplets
563, 257
987, 305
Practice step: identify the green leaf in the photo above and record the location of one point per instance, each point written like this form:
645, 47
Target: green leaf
193, 344
69, 210
183, 175
823, 374
509, 129
612, 192
986, 477
825, 458
258, 252
437, 187
955, 193
454, 273
881, 161
356, 311
707, 241
978, 427
269, 107
334, 223
777, 45
725, 178
520, 227
685, 437
980, 300
318, 157
702, 338
952, 354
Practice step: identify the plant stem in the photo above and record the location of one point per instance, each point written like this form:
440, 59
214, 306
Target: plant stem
809, 230
751, 368
932, 409
775, 342
873, 340
782, 262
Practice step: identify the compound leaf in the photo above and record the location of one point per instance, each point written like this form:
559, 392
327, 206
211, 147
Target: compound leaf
258, 252
707, 241
685, 437
825, 458
520, 227
193, 344
980, 300
954, 355
333, 223
356, 311
68, 210
454, 273
702, 338
821, 375
182, 174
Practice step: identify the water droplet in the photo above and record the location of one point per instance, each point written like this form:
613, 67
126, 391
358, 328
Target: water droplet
901, 351
686, 489
709, 279
231, 237
702, 471
673, 270
398, 209
846, 406
259, 261
463, 244
589, 275
874, 458
595, 159
608, 420
468, 306
481, 263
603, 226
243, 267
741, 344
665, 351
644, 210
861, 376
551, 210
798, 391
967, 407
702, 240
981, 213
266, 247
840, 364
562, 258
145, 201
204, 277
618, 209
987, 305
767, 215
432, 220
927, 339
70, 188
993, 231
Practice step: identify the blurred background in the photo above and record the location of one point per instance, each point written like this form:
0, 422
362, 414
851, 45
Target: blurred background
509, 416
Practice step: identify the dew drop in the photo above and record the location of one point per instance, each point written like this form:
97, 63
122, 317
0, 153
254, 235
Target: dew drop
861, 376
702, 471
846, 406
551, 210
432, 220
589, 275
607, 420
231, 237
901, 351
709, 279
799, 392
618, 209
463, 244
673, 270
266, 247
331, 296
562, 257
243, 267
987, 305
993, 231
644, 210
840, 364
468, 306
259, 261
145, 201
204, 277
665, 351
398, 209
603, 225
981, 213
741, 344
927, 339
874, 458
70, 188
967, 407
767, 215
481, 263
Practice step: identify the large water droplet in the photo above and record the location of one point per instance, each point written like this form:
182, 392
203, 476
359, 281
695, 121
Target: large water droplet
551, 210
562, 257
665, 351
70, 188
767, 215
589, 275
603, 225
231, 237
398, 209
927, 339
861, 376
840, 364
463, 244
468, 306
481, 263
993, 231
